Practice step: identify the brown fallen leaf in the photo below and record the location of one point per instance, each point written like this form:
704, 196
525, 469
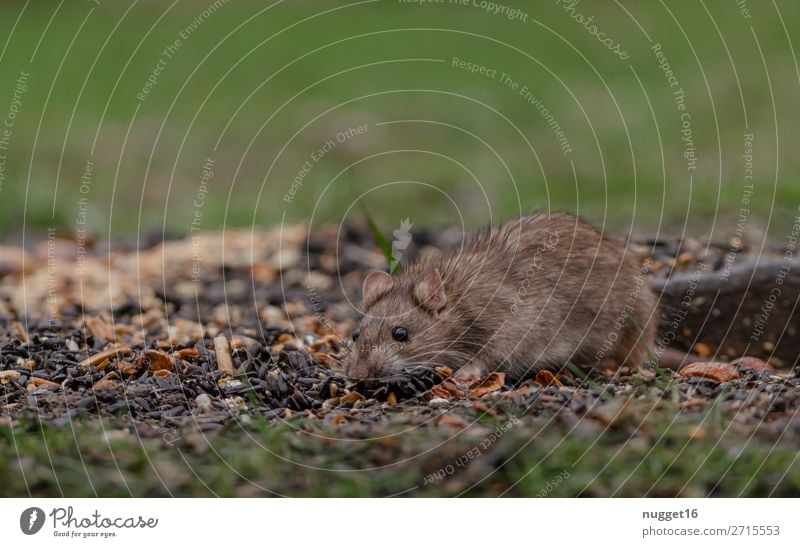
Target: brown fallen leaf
42, 382
106, 384
444, 372
159, 360
351, 397
129, 368
754, 363
448, 390
391, 399
151, 359
98, 358
713, 370
325, 359
491, 383
462, 380
440, 392
185, 353
546, 378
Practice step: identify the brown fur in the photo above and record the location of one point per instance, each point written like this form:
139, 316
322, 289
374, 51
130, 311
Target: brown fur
585, 300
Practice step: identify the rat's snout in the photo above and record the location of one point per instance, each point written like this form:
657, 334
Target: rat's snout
361, 365
359, 369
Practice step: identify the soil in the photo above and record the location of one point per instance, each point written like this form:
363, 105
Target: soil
215, 326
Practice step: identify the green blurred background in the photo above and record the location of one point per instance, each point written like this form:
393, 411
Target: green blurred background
259, 87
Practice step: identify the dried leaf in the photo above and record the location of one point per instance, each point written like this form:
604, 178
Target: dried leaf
352, 397
439, 392
491, 383
448, 390
444, 372
98, 358
391, 399
129, 368
159, 360
464, 381
546, 378
185, 353
713, 370
106, 384
325, 359
42, 382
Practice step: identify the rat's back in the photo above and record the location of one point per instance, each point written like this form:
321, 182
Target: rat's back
549, 288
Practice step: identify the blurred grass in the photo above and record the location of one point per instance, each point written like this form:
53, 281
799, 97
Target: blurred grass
669, 455
258, 89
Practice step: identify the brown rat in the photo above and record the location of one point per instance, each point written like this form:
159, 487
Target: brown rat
532, 293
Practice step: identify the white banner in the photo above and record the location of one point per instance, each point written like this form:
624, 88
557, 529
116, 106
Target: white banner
398, 522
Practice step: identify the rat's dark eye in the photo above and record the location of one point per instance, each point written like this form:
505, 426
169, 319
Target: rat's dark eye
400, 334
356, 334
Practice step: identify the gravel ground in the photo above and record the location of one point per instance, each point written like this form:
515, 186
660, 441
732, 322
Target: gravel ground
218, 332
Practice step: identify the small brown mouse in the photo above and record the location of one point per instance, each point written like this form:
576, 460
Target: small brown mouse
535, 292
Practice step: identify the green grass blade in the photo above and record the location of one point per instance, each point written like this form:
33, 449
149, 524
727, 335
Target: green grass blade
380, 240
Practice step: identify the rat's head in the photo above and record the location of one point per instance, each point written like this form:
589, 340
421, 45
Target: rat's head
396, 331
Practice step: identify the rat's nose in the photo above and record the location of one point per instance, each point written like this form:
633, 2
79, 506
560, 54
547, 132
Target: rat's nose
360, 370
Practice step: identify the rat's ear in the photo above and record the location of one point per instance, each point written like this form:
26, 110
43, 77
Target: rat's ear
376, 285
430, 292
